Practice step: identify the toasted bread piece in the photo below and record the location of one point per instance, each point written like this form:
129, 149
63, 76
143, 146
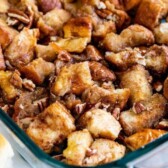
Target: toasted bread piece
132, 36
143, 137
100, 72
21, 51
78, 27
153, 112
74, 78
156, 59
150, 12
161, 33
38, 70
45, 52
76, 45
125, 59
136, 79
104, 151
9, 91
95, 94
51, 126
7, 34
52, 21
78, 144
100, 123
130, 4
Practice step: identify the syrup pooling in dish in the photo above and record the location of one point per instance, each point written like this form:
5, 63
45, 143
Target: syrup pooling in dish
86, 80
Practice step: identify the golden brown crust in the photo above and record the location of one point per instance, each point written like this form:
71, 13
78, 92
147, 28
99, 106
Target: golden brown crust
57, 123
156, 59
45, 52
38, 70
9, 91
7, 34
150, 12
78, 144
130, 4
153, 112
78, 27
132, 36
136, 79
20, 51
74, 79
105, 151
143, 137
160, 33
100, 124
52, 21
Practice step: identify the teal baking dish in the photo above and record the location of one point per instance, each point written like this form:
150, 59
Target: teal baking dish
39, 159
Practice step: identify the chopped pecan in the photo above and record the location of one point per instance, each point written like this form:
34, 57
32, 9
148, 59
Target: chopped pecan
28, 84
58, 65
18, 15
138, 107
16, 80
116, 113
101, 72
91, 152
64, 56
79, 108
41, 103
103, 13
93, 54
72, 101
163, 124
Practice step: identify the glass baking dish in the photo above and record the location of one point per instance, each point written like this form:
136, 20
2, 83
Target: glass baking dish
39, 159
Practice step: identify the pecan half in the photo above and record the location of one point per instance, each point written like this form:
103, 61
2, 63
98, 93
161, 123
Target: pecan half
18, 15
42, 103
28, 84
116, 113
90, 152
138, 107
163, 124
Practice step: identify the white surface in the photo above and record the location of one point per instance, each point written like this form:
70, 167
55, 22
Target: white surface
17, 161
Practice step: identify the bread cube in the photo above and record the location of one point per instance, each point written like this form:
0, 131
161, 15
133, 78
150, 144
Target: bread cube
100, 124
74, 78
136, 79
7, 34
105, 151
143, 137
21, 51
78, 144
51, 126
78, 27
150, 12
154, 111
38, 70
